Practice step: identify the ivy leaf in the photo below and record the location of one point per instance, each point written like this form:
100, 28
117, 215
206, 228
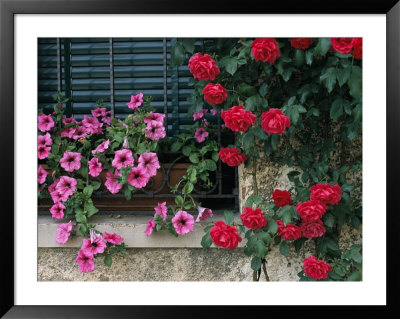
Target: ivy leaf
284, 248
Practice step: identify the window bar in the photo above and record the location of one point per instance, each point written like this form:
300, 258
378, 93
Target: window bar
111, 53
68, 77
175, 96
165, 83
59, 75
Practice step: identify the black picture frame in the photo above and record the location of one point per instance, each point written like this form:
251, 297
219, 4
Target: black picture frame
9, 8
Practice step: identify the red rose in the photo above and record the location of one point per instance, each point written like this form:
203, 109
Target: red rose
238, 119
288, 232
214, 93
317, 269
266, 50
312, 229
342, 45
274, 121
253, 218
301, 43
203, 67
231, 157
311, 210
224, 235
281, 198
357, 52
326, 194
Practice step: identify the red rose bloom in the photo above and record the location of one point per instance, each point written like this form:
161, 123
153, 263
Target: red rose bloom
281, 198
311, 210
231, 157
357, 51
342, 45
238, 119
301, 43
274, 121
253, 218
288, 232
326, 194
317, 269
224, 235
312, 229
214, 93
203, 67
266, 50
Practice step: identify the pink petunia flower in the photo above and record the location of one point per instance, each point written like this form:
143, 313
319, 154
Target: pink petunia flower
57, 211
155, 130
106, 120
43, 151
138, 177
45, 122
183, 222
66, 186
68, 132
102, 147
80, 132
123, 158
95, 244
52, 187
161, 209
199, 115
68, 120
213, 111
157, 117
57, 197
45, 140
149, 162
112, 182
95, 167
136, 101
205, 123
42, 174
200, 135
150, 227
63, 232
113, 238
91, 124
203, 213
85, 261
71, 161
100, 111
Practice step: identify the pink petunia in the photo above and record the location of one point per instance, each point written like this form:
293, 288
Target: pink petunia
155, 130
68, 120
136, 101
112, 182
102, 147
45, 122
45, 140
85, 261
57, 211
199, 115
66, 186
80, 132
91, 125
205, 123
106, 120
42, 174
183, 222
200, 135
138, 177
157, 117
123, 158
213, 111
71, 161
203, 213
113, 238
95, 244
150, 227
43, 151
95, 167
63, 232
149, 161
68, 132
57, 197
100, 111
52, 187
161, 209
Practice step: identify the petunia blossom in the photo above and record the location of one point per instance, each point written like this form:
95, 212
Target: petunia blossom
68, 132
45, 140
100, 111
199, 115
42, 174
161, 209
57, 211
66, 186
57, 197
91, 125
112, 182
200, 135
213, 111
123, 158
95, 244
102, 147
43, 151
149, 162
113, 238
63, 232
85, 261
80, 132
157, 117
203, 213
136, 101
138, 177
71, 161
45, 122
183, 222
155, 130
95, 167
150, 227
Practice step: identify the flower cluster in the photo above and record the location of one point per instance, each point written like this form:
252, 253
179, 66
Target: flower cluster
347, 45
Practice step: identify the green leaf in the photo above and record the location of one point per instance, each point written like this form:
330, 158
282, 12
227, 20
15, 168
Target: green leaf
328, 78
176, 146
177, 54
210, 165
272, 226
355, 82
286, 214
179, 201
188, 44
186, 150
357, 113
255, 263
343, 75
347, 188
128, 193
80, 218
87, 191
263, 90
253, 199
83, 229
298, 243
206, 241
355, 276
96, 185
231, 65
108, 260
260, 133
323, 46
309, 56
274, 141
299, 57
253, 102
329, 220
194, 158
265, 237
248, 140
284, 248
337, 109
246, 89
188, 188
229, 217
260, 249
91, 209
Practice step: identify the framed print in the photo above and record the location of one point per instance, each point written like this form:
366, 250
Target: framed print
221, 163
